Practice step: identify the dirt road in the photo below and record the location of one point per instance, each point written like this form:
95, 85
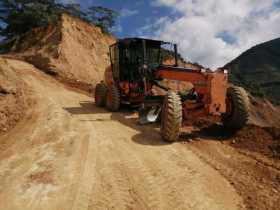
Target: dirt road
68, 154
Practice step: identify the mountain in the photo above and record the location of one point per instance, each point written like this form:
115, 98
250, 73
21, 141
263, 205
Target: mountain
258, 70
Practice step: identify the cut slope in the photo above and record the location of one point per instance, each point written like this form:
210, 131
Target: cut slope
73, 49
262, 140
13, 100
263, 113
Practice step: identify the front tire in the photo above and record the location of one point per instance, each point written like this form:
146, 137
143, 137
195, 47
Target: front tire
100, 94
237, 114
113, 99
171, 118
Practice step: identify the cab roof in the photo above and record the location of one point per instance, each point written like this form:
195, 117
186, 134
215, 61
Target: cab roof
137, 39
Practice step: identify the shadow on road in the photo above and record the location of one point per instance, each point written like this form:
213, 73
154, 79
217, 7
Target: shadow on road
86, 107
213, 132
147, 134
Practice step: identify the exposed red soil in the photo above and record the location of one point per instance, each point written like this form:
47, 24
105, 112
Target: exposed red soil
256, 179
14, 97
248, 158
263, 113
70, 154
72, 49
252, 138
256, 139
77, 85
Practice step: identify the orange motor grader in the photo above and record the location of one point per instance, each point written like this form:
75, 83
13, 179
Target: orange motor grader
141, 67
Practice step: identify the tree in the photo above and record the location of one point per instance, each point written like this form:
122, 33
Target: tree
20, 16
102, 17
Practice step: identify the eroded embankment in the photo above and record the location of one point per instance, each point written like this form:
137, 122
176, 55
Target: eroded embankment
14, 97
73, 50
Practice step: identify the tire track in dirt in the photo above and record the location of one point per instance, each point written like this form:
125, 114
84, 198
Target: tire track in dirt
156, 183
162, 176
87, 178
143, 181
140, 177
79, 194
113, 187
172, 178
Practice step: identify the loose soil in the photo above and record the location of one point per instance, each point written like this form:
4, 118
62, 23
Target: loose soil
14, 97
261, 140
73, 49
68, 154
249, 159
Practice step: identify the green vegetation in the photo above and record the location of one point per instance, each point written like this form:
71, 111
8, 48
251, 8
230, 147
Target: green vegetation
19, 16
258, 70
102, 17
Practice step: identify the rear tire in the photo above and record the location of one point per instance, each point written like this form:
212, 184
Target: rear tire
171, 118
113, 99
237, 114
100, 94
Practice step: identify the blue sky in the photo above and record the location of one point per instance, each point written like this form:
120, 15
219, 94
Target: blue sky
134, 14
211, 32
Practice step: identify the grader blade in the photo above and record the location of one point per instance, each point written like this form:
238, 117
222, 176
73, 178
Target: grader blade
149, 115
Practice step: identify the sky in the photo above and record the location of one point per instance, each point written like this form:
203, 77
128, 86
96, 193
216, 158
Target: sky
210, 32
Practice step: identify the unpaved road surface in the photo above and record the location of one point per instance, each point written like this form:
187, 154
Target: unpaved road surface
68, 154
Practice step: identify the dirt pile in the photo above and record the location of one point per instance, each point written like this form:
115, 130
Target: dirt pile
73, 50
263, 113
13, 100
257, 139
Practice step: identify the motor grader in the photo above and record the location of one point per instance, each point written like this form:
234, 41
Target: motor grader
139, 66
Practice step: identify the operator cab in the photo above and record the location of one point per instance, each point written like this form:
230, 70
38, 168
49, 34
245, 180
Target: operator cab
130, 57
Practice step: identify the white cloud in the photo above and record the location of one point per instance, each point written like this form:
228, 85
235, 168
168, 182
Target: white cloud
127, 13
69, 1
117, 28
124, 13
201, 24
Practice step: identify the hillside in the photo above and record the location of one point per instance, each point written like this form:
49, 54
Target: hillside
14, 98
73, 50
258, 70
